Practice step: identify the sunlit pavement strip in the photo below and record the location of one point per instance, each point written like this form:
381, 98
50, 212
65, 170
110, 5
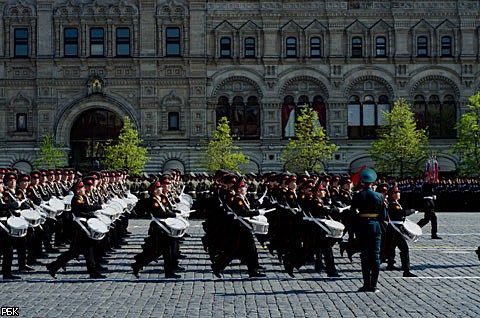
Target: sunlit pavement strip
447, 284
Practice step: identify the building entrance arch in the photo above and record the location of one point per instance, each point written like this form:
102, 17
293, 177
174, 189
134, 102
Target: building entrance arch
89, 133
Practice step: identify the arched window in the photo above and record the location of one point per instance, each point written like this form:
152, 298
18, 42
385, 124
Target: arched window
383, 106
318, 105
446, 46
364, 118
291, 47
433, 116
288, 116
448, 116
252, 117
437, 117
381, 46
223, 108
357, 47
303, 101
419, 109
315, 47
244, 117
291, 110
225, 47
249, 47
422, 46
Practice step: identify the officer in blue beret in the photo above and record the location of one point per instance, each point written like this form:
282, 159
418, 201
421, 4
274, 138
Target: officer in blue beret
369, 227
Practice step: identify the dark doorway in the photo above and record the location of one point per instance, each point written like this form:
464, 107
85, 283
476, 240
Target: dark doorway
88, 136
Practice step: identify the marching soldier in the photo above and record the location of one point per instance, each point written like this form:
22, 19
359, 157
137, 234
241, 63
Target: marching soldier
6, 243
369, 227
9, 195
241, 236
81, 242
158, 242
393, 238
429, 205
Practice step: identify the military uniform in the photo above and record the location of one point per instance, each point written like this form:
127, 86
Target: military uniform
393, 238
158, 242
368, 228
80, 243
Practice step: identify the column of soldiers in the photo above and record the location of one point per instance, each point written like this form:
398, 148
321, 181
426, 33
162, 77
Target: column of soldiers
21, 192
289, 202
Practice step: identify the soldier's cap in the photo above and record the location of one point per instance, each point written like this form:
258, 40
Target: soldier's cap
9, 176
119, 173
219, 174
393, 190
44, 172
112, 174
318, 188
345, 181
303, 178
382, 187
368, 175
66, 172
325, 178
58, 171
165, 179
90, 180
35, 174
283, 177
125, 172
3, 170
241, 182
335, 178
77, 185
51, 172
230, 179
95, 174
23, 177
155, 184
307, 184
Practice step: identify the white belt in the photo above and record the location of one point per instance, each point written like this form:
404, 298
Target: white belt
428, 198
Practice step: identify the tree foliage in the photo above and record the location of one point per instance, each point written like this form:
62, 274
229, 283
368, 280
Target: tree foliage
468, 144
401, 148
51, 155
220, 151
127, 152
310, 147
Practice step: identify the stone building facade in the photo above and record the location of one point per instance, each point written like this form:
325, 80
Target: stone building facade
75, 68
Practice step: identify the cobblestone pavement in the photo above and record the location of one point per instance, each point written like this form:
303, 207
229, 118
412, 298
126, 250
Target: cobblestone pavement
448, 284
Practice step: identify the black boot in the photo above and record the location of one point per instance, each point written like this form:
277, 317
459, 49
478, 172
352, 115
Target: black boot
52, 269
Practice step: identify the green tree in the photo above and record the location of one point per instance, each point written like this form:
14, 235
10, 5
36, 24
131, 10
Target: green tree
51, 155
310, 147
127, 152
220, 151
468, 144
401, 147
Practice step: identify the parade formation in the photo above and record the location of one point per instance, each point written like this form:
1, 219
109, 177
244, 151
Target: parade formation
299, 218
